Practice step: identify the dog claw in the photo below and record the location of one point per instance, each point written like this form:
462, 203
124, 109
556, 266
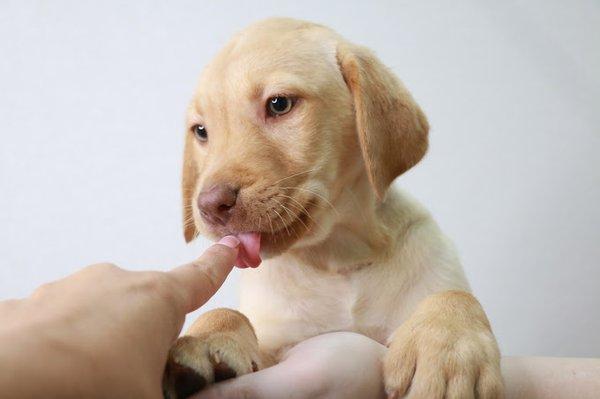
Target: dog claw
185, 380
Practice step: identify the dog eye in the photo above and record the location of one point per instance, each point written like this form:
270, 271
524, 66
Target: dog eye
277, 106
200, 132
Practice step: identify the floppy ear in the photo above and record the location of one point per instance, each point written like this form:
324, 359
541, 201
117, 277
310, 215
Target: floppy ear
188, 182
392, 129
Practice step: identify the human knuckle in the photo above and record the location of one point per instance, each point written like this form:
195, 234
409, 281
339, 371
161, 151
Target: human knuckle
9, 304
43, 290
202, 268
220, 251
169, 282
201, 263
161, 286
103, 267
151, 282
211, 282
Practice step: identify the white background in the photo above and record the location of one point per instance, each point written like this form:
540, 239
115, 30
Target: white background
92, 98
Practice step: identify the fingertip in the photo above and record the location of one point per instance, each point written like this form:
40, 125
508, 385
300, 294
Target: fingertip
205, 275
230, 241
225, 250
222, 253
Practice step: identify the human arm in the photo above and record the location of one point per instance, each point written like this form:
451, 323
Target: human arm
103, 331
347, 365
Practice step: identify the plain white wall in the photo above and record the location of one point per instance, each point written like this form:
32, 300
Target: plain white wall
92, 98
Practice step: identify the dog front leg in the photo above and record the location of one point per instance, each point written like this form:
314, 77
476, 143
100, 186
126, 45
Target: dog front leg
221, 344
446, 349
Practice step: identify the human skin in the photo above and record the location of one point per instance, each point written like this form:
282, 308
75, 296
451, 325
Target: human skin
103, 332
348, 365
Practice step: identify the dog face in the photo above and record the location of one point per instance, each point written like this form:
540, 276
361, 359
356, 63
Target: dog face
283, 118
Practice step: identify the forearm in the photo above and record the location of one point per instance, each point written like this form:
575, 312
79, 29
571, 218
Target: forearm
342, 364
551, 378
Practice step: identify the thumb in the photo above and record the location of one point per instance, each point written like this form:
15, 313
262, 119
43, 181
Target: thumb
201, 278
247, 386
280, 381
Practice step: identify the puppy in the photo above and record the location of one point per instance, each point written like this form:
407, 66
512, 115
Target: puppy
294, 138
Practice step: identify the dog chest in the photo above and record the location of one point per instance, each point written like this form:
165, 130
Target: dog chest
288, 305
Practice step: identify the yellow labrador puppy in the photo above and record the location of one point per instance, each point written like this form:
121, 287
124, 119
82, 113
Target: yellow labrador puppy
294, 137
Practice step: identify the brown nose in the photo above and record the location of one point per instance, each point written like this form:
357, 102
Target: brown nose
216, 204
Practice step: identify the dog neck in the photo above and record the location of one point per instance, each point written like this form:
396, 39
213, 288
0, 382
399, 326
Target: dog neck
354, 234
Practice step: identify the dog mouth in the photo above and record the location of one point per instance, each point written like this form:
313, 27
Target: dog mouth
249, 250
279, 233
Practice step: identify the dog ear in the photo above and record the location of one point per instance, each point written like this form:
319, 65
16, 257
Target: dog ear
188, 183
392, 129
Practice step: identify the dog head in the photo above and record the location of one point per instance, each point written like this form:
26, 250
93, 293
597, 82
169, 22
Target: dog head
283, 118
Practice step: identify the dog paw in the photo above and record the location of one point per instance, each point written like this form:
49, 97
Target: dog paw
435, 357
195, 362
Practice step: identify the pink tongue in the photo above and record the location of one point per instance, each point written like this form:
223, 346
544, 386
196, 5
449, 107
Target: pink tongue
249, 253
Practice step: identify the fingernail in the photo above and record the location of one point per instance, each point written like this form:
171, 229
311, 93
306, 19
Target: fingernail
230, 241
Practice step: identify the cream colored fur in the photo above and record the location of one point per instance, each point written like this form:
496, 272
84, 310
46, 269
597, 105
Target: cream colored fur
289, 300
345, 252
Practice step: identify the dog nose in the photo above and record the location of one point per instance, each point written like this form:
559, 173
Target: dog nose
216, 204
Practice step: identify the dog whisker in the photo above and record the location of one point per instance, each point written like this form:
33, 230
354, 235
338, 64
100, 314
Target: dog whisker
299, 204
295, 174
296, 233
293, 217
301, 221
314, 193
271, 225
282, 221
301, 208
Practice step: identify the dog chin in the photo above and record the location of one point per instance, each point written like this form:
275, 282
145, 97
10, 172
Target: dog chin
276, 244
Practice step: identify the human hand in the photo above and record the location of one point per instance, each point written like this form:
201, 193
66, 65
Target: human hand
103, 331
335, 365
347, 365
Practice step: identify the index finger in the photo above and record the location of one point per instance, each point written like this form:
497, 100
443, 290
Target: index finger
202, 278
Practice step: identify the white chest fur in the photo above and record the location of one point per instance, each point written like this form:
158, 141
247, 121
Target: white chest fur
287, 304
287, 301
